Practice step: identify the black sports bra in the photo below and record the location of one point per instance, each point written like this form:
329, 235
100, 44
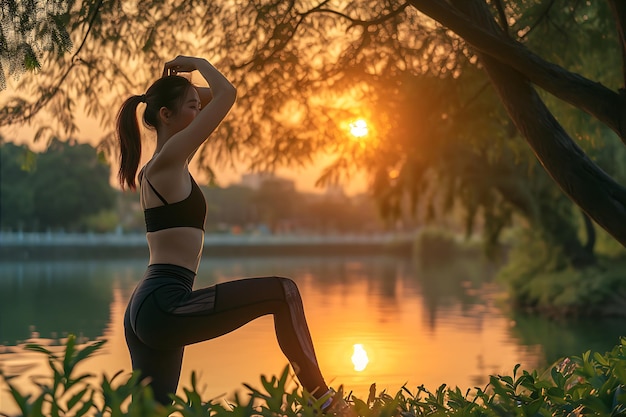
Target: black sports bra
190, 212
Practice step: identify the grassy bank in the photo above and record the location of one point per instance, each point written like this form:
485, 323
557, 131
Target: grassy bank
591, 384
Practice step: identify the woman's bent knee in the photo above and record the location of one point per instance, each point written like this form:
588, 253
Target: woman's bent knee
287, 283
290, 288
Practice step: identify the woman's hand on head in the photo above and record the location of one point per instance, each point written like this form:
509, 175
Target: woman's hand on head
181, 64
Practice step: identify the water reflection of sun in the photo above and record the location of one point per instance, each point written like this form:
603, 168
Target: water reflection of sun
359, 358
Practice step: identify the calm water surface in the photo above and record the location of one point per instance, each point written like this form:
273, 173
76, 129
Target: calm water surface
446, 324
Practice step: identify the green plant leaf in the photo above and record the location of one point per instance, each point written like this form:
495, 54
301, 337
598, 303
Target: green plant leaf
74, 399
86, 407
34, 347
87, 351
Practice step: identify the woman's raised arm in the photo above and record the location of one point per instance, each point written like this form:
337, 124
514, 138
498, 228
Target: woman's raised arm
184, 143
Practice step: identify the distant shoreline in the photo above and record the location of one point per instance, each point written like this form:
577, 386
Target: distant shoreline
41, 246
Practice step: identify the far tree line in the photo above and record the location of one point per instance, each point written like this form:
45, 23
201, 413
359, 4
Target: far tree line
60, 188
67, 188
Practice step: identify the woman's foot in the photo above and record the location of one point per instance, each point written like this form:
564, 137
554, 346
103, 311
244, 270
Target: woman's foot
337, 406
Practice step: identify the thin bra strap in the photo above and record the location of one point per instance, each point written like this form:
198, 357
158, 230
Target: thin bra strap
156, 192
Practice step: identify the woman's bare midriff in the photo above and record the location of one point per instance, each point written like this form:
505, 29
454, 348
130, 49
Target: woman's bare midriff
180, 246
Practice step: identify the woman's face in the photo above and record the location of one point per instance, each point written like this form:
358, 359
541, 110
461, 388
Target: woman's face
187, 112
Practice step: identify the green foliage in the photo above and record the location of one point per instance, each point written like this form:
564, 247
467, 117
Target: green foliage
541, 279
29, 30
17, 202
65, 393
575, 29
63, 187
101, 222
590, 384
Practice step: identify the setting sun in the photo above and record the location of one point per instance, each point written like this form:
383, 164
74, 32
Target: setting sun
358, 128
359, 358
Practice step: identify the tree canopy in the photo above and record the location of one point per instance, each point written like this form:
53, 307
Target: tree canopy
56, 189
305, 67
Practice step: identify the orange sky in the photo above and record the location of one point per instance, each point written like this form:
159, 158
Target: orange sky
304, 177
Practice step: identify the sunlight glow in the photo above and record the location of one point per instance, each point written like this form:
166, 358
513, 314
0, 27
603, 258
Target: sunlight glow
358, 128
359, 358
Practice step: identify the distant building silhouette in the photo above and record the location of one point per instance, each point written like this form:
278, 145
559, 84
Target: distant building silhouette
255, 180
335, 191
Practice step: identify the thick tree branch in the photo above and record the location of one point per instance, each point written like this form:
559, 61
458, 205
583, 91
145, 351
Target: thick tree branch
592, 97
595, 192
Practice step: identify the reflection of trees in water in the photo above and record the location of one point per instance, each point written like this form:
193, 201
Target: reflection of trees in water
567, 337
54, 299
461, 280
379, 273
458, 280
326, 270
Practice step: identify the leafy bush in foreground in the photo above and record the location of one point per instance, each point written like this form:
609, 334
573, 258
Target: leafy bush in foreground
592, 384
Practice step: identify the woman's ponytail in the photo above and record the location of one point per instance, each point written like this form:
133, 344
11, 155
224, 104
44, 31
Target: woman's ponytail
169, 92
130, 141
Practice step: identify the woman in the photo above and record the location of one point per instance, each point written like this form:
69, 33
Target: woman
164, 313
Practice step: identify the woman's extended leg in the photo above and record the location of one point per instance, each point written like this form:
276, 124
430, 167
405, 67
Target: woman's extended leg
211, 312
239, 302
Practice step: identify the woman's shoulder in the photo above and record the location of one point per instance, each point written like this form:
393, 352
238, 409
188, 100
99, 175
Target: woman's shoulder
161, 169
145, 169
153, 165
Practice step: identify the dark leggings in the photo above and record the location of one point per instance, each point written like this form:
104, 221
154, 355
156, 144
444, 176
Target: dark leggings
164, 314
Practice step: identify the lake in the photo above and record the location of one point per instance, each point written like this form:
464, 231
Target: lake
416, 325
